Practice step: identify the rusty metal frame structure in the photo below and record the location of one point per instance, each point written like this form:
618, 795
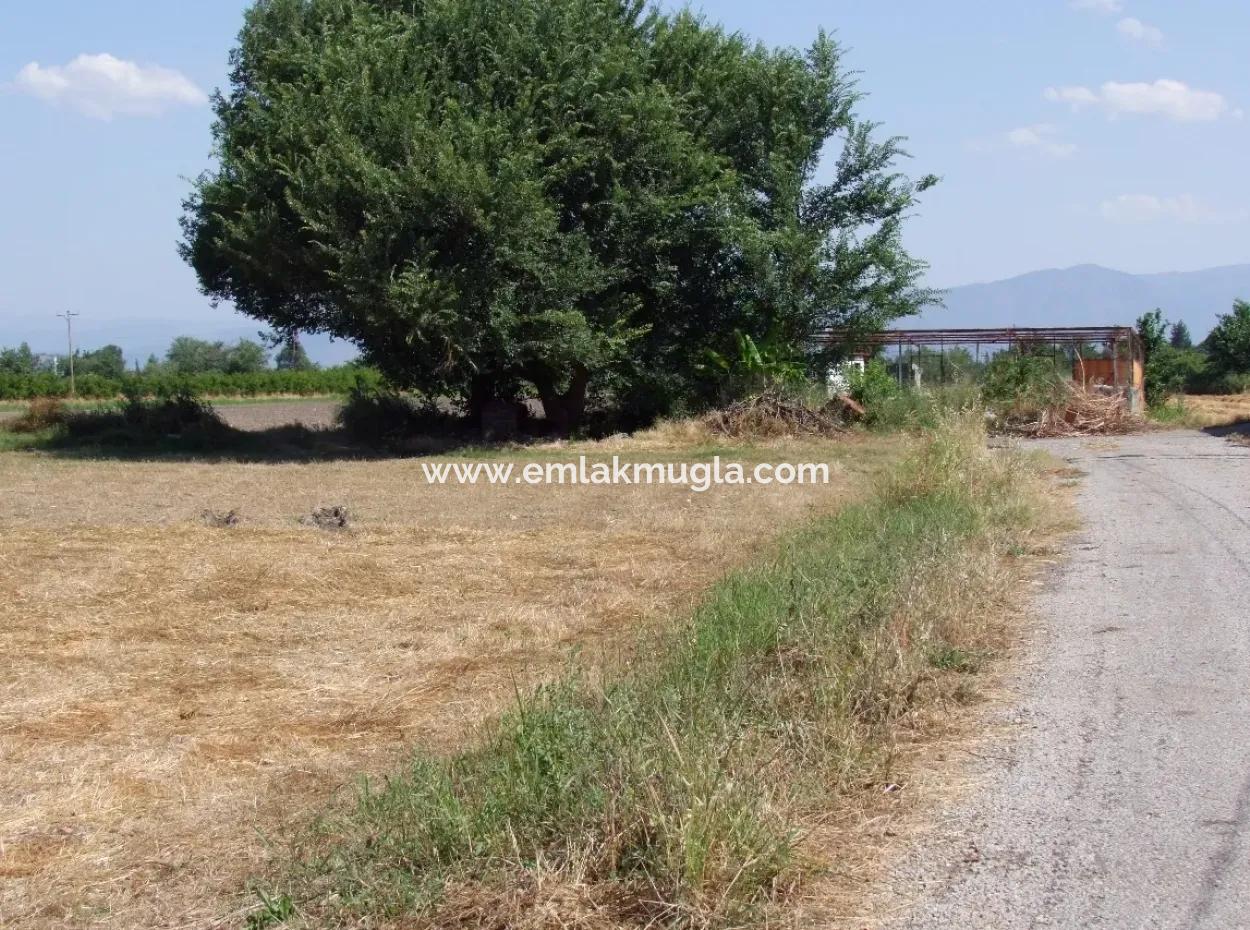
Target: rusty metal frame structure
1120, 342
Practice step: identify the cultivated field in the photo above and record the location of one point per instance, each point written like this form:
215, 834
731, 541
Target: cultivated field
315, 413
1218, 410
176, 697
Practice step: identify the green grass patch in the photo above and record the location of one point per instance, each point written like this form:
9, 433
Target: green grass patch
674, 790
22, 442
1171, 412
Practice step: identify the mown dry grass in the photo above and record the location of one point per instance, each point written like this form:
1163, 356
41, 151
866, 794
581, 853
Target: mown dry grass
1203, 411
711, 785
175, 694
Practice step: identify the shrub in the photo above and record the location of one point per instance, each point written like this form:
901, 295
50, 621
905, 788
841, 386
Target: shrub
874, 385
1170, 371
889, 405
43, 413
28, 386
924, 409
1237, 383
379, 416
182, 416
1020, 383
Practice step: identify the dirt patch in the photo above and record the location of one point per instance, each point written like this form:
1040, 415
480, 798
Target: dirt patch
173, 694
315, 414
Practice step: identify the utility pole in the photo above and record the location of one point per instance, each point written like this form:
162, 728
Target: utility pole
68, 317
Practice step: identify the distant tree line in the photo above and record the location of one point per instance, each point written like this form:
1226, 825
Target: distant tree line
1174, 364
240, 369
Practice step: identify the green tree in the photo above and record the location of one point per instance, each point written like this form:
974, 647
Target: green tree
190, 356
1152, 328
107, 362
19, 361
244, 357
1229, 343
1170, 370
578, 195
292, 357
1180, 337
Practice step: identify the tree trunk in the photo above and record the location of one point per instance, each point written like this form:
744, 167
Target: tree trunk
564, 411
481, 392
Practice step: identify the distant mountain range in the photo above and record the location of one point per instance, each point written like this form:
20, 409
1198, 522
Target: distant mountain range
1089, 295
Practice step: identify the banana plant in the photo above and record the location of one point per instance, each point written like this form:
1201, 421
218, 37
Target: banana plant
766, 365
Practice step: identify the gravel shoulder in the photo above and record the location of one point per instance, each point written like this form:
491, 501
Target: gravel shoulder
1120, 795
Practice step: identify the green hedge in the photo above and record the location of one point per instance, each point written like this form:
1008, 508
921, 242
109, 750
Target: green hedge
338, 380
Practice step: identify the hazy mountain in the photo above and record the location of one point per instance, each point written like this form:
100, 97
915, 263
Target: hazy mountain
1086, 295
1089, 295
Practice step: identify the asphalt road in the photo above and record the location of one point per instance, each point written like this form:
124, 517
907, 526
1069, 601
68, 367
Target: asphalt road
1123, 798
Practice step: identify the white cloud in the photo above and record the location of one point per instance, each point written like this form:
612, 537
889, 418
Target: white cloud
1135, 30
101, 86
1042, 138
1106, 7
1149, 208
1170, 99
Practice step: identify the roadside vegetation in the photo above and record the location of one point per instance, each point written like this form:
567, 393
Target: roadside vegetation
678, 790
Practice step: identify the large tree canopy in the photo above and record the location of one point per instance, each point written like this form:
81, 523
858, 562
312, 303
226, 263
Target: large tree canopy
565, 193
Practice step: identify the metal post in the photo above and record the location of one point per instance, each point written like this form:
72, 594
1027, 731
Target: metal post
68, 316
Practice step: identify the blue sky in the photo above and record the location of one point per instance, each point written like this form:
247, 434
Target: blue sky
1065, 131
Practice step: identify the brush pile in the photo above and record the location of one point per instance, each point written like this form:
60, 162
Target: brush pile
1079, 412
328, 518
772, 415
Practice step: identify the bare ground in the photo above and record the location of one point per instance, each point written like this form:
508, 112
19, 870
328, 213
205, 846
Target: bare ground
174, 695
315, 413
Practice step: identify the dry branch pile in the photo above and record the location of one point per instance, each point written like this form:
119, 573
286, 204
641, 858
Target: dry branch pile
772, 415
1081, 413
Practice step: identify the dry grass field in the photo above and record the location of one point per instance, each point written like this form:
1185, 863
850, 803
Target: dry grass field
1216, 410
174, 697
